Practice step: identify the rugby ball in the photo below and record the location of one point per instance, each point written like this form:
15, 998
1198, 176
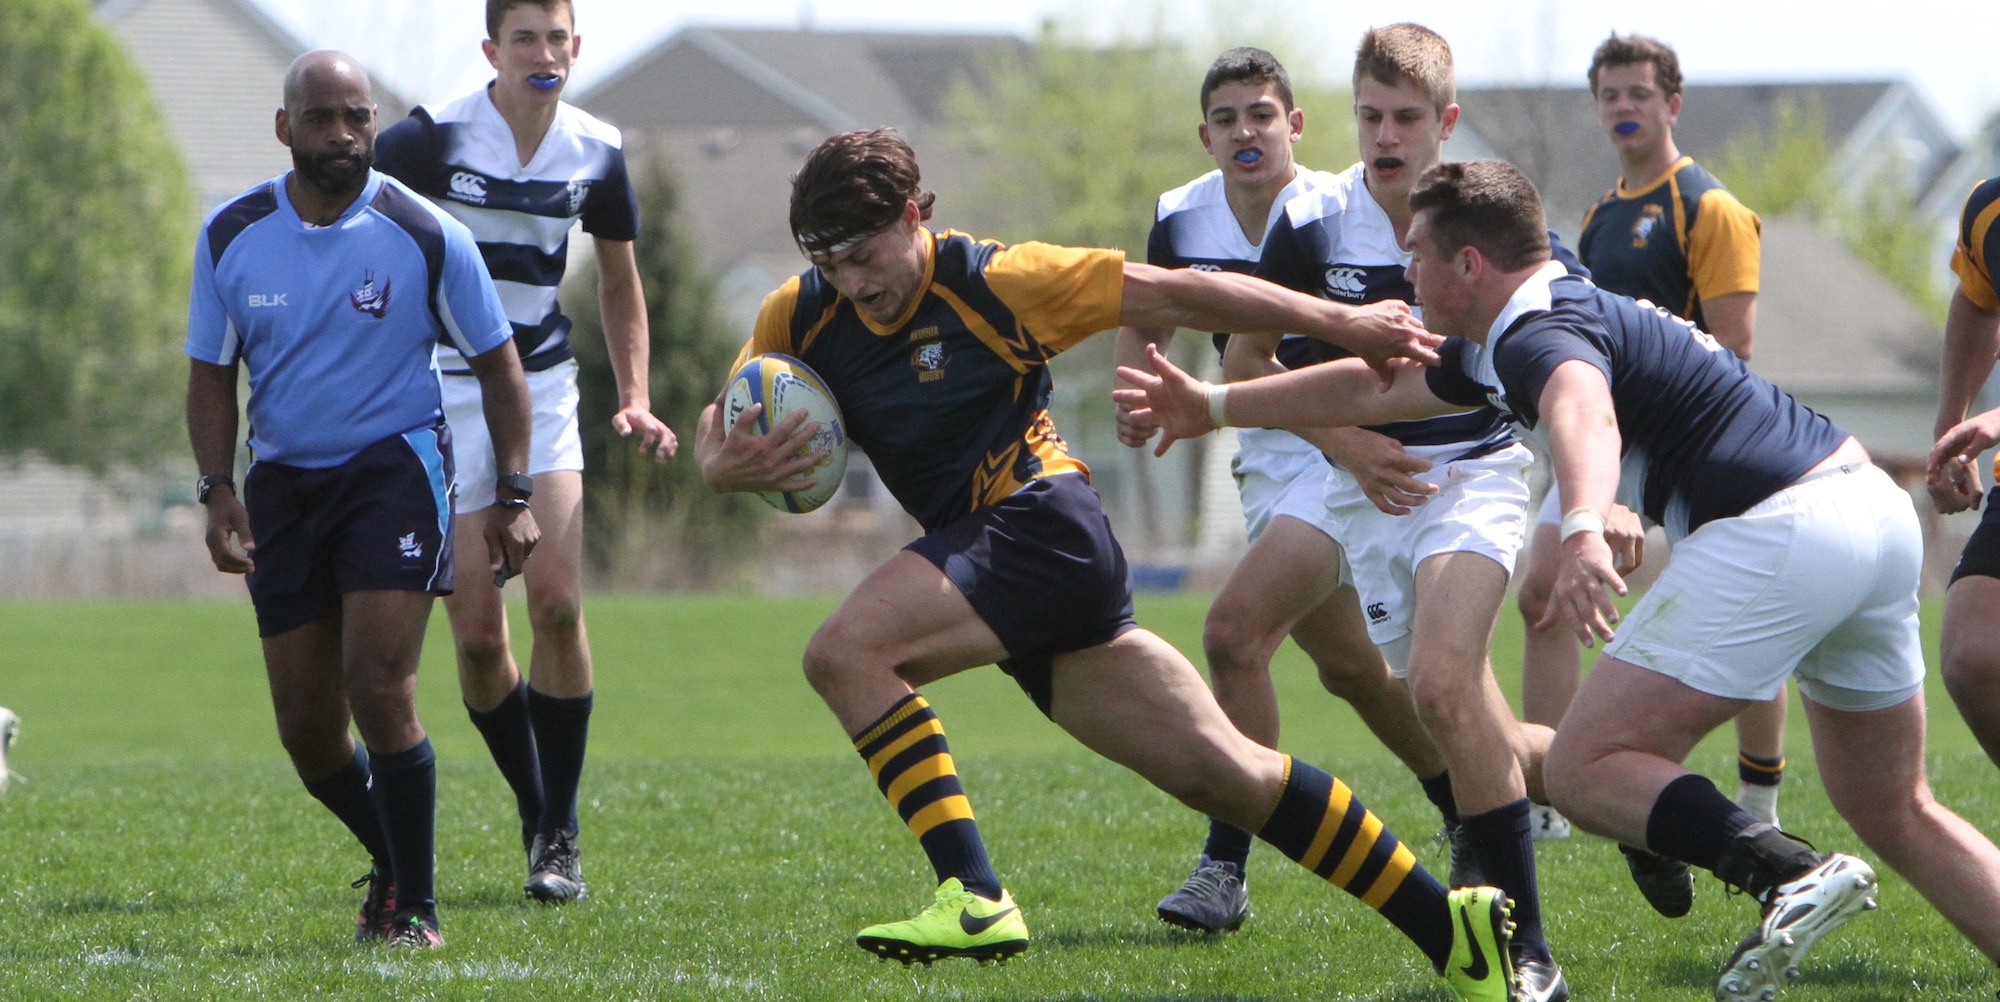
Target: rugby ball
784, 384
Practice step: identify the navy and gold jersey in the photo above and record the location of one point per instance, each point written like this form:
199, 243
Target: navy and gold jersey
951, 402
1676, 242
1978, 248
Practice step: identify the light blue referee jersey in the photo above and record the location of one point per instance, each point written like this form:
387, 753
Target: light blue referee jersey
462, 156
337, 324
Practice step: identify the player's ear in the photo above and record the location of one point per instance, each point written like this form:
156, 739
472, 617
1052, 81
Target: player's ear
282, 126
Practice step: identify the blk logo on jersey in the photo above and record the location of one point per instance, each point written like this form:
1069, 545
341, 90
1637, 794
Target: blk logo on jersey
468, 187
411, 549
369, 299
1643, 227
264, 300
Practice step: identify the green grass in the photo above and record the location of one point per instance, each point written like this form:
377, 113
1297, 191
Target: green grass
162, 849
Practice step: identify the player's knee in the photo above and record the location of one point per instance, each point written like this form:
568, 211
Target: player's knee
1233, 641
482, 647
1348, 674
1533, 597
556, 612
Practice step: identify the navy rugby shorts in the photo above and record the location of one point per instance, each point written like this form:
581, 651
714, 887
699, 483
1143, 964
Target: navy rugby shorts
379, 522
1041, 568
1981, 556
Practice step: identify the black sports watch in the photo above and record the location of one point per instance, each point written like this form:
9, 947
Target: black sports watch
521, 484
209, 482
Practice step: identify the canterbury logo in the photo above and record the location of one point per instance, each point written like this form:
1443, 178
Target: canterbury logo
1346, 281
1378, 612
468, 187
1477, 970
972, 925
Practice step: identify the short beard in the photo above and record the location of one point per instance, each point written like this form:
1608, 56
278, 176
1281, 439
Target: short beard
332, 181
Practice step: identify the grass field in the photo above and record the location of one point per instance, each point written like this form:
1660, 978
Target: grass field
162, 849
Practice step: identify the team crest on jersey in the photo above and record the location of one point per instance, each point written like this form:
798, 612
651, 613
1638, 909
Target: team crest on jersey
928, 360
578, 191
369, 299
1643, 227
407, 543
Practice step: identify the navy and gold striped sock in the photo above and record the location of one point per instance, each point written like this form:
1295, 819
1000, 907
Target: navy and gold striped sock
906, 753
1755, 771
1320, 823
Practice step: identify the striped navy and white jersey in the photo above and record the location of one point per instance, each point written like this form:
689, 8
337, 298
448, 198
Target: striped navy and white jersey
1195, 228
337, 323
462, 156
1337, 243
1703, 437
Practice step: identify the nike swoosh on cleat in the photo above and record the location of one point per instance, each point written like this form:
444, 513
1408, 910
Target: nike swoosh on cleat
972, 925
1477, 970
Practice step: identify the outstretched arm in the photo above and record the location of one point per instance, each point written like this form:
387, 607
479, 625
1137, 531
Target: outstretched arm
1345, 392
1221, 301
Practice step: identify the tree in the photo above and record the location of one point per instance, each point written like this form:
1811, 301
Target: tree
1790, 172
652, 525
97, 222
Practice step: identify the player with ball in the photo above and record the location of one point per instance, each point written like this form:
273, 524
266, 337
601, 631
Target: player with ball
934, 347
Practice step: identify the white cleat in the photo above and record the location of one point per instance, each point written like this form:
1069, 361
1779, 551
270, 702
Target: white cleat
1796, 915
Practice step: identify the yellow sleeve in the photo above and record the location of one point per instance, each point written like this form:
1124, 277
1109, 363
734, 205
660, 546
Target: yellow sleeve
1723, 247
1060, 295
774, 324
1968, 258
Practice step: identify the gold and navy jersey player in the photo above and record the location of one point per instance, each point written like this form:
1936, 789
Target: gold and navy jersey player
951, 400
1678, 242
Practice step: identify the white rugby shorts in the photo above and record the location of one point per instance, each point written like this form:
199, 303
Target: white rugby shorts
557, 441
1279, 473
1818, 579
1480, 507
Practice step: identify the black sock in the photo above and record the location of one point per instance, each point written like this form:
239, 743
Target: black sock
1693, 822
562, 728
912, 765
1320, 824
1502, 842
345, 793
1438, 790
1227, 843
1755, 771
510, 737
406, 794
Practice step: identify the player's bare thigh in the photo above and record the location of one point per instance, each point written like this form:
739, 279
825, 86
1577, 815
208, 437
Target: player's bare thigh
903, 626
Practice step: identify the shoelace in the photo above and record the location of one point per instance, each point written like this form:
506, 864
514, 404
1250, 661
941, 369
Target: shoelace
1210, 879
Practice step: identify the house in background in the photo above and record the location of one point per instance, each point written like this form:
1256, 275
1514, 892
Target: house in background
1877, 131
217, 70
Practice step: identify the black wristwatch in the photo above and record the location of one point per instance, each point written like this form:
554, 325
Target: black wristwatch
521, 484
209, 482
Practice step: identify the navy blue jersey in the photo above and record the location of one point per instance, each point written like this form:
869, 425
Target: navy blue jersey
1703, 436
1335, 242
462, 156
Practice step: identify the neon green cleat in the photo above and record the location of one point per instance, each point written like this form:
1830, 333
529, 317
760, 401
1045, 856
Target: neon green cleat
958, 924
1480, 968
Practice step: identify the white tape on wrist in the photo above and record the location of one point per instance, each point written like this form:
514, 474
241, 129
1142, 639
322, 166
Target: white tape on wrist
1581, 520
1218, 404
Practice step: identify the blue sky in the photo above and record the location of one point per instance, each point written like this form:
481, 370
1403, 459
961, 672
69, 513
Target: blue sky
430, 48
